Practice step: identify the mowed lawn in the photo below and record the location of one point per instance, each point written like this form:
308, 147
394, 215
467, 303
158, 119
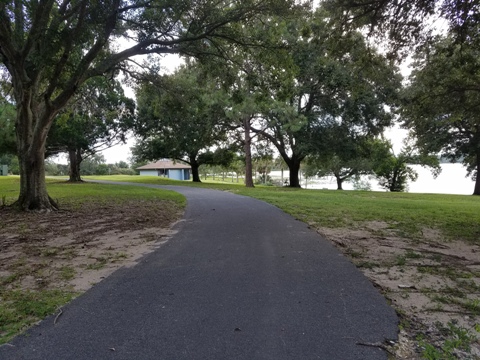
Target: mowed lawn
408, 214
64, 192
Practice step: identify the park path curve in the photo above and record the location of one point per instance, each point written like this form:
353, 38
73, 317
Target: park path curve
239, 280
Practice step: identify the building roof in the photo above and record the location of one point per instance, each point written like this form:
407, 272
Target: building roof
164, 164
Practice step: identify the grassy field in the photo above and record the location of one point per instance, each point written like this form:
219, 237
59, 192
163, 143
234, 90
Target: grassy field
64, 192
456, 216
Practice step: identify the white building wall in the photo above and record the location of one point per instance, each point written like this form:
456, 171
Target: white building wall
148, 173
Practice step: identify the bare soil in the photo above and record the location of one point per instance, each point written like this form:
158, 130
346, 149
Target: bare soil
428, 280
75, 248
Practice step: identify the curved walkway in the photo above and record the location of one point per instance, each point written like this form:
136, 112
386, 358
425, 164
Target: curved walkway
239, 280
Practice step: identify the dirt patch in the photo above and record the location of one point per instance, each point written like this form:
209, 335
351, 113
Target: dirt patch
77, 247
434, 285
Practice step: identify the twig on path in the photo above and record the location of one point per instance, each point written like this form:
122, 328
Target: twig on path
58, 315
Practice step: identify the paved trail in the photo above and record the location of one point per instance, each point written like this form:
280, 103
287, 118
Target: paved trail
240, 280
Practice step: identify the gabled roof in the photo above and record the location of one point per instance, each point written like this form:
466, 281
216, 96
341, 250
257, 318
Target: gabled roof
164, 164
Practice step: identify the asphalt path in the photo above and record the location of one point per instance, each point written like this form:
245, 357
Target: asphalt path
240, 280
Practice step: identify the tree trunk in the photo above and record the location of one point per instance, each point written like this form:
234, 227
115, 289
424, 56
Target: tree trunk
294, 168
248, 154
33, 189
195, 166
476, 191
31, 157
75, 158
393, 183
339, 182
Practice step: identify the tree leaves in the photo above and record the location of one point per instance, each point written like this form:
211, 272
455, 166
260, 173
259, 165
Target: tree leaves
7, 124
441, 102
98, 117
180, 117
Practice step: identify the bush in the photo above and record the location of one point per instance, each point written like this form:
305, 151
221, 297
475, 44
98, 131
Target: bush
260, 180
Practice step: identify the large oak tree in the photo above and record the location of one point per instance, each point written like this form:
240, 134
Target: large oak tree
51, 47
179, 117
338, 79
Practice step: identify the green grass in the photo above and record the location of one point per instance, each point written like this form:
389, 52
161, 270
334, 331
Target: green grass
21, 309
78, 193
456, 216
457, 338
156, 180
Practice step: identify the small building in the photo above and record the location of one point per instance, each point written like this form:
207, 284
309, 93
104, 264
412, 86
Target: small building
166, 168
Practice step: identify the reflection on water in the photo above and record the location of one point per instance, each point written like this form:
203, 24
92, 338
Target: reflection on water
451, 180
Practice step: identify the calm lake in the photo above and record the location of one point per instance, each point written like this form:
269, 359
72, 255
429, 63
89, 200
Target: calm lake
451, 180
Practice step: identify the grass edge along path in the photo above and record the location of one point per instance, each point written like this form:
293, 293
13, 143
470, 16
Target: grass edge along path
408, 214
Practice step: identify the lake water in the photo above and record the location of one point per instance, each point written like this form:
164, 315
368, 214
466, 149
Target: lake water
451, 180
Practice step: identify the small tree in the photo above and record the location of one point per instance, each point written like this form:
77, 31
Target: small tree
263, 161
393, 171
343, 154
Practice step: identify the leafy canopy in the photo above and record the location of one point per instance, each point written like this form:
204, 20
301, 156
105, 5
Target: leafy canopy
442, 102
180, 116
